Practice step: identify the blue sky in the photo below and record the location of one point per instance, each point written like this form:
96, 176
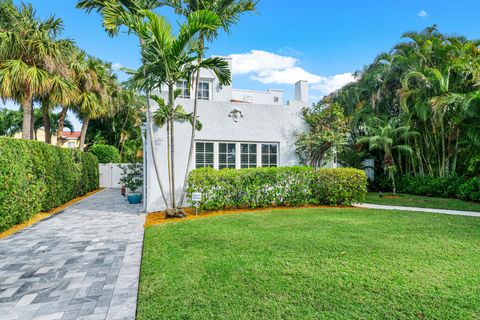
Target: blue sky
317, 40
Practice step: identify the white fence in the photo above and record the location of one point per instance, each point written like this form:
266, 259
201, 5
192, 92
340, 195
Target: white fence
110, 174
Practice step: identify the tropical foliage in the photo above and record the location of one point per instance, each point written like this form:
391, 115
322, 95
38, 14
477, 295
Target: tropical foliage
327, 133
39, 68
416, 108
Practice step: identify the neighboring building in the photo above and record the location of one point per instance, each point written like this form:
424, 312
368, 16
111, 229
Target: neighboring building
71, 139
241, 129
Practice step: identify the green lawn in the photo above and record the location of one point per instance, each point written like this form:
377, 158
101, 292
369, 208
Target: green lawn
423, 202
337, 263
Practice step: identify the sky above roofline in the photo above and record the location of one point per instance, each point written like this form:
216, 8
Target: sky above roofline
323, 42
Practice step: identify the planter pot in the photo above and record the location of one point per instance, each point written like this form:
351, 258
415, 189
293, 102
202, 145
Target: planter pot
134, 198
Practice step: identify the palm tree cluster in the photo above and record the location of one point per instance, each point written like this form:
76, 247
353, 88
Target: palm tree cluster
38, 67
169, 57
418, 104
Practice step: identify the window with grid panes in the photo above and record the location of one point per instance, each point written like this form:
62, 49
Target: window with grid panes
248, 155
269, 155
204, 154
226, 155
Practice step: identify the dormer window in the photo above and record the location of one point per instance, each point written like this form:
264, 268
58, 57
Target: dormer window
203, 90
182, 85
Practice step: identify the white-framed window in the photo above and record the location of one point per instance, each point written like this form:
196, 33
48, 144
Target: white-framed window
248, 155
227, 155
71, 144
269, 155
236, 155
204, 155
182, 85
203, 90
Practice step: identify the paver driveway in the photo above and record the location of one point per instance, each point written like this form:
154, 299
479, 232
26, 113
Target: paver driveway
82, 263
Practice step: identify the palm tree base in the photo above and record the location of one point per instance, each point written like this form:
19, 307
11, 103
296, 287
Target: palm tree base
175, 213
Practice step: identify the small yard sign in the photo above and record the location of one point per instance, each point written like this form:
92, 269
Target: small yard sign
196, 197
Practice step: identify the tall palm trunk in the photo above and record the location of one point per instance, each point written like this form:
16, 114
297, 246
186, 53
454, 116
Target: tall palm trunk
152, 147
46, 121
27, 116
194, 122
171, 102
83, 132
152, 140
61, 124
33, 133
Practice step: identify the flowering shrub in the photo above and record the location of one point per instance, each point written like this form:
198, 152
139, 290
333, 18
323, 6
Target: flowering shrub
35, 177
270, 187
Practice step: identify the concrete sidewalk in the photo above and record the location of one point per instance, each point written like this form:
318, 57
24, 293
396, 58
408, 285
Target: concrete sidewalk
82, 263
402, 208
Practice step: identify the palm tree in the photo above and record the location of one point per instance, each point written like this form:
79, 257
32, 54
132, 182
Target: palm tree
166, 60
229, 13
388, 138
169, 59
29, 50
63, 92
117, 14
10, 122
97, 88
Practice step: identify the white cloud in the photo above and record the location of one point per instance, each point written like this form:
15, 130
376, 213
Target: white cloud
285, 76
422, 13
258, 61
327, 85
271, 68
117, 66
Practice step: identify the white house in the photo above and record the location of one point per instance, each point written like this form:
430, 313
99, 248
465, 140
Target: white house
241, 129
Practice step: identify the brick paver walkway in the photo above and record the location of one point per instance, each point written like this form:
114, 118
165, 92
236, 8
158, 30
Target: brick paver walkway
82, 263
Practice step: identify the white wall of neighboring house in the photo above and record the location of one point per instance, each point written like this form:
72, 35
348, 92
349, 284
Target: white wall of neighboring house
263, 120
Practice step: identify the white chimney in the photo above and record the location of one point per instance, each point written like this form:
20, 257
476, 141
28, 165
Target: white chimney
301, 91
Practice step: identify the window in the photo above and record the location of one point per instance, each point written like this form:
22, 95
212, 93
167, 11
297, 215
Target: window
269, 155
226, 155
204, 154
182, 85
248, 155
203, 90
276, 99
71, 144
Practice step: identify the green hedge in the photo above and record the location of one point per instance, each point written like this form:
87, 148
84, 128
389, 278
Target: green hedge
446, 187
270, 187
105, 153
35, 177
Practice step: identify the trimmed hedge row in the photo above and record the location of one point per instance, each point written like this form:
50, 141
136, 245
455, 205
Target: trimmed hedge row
447, 187
283, 186
35, 177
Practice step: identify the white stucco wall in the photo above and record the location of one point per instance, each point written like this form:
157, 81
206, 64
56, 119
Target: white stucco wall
270, 97
260, 123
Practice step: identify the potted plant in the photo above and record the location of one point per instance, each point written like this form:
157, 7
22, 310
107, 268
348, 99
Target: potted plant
132, 180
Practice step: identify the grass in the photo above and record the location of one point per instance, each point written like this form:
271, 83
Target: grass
423, 202
337, 263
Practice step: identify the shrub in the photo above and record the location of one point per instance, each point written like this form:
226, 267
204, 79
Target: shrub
105, 153
284, 186
339, 186
470, 190
445, 187
35, 177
